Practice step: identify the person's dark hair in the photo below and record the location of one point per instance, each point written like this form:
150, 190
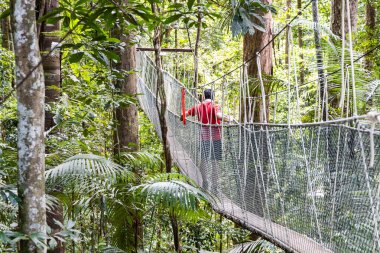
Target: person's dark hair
208, 94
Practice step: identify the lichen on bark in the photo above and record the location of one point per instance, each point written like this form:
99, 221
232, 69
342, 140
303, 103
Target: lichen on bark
30, 111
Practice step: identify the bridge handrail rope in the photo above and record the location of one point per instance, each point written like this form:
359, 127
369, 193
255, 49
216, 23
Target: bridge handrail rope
328, 74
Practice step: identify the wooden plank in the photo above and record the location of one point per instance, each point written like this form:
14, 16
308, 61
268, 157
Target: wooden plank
285, 238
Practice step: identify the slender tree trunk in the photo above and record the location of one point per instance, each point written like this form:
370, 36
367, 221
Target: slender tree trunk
336, 16
6, 32
161, 104
221, 234
251, 46
177, 240
370, 21
196, 48
31, 117
176, 74
336, 28
288, 8
162, 113
300, 45
126, 135
48, 38
321, 72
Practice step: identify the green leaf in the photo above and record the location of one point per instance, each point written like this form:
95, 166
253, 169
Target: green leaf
173, 18
190, 4
52, 14
113, 40
39, 240
176, 6
5, 13
74, 58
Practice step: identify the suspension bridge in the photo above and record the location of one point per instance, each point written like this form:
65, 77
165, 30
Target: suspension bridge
309, 187
306, 187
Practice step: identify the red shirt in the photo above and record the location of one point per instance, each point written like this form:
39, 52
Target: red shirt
206, 113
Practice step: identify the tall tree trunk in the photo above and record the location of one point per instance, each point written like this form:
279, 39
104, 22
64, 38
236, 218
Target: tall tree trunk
176, 237
31, 117
287, 32
370, 21
336, 16
336, 28
251, 46
126, 134
162, 113
48, 38
300, 45
196, 48
6, 32
160, 93
321, 72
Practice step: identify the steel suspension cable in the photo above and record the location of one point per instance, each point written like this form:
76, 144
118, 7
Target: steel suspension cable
328, 74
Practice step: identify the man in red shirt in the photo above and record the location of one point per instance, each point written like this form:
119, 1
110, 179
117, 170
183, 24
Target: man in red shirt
210, 115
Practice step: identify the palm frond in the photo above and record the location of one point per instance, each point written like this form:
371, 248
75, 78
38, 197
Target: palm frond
307, 24
177, 196
372, 87
86, 166
111, 249
164, 177
252, 247
8, 193
142, 158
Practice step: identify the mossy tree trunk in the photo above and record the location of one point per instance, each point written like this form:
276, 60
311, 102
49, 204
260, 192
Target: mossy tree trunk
6, 33
31, 121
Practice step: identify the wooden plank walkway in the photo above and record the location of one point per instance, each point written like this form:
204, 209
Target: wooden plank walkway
285, 238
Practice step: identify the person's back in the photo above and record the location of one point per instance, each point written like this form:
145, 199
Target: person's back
206, 113
210, 115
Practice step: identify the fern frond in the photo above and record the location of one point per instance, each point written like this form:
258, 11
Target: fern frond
142, 157
249, 247
372, 87
86, 166
307, 24
111, 249
177, 196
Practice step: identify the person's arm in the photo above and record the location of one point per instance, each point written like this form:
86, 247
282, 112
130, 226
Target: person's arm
225, 117
190, 112
221, 116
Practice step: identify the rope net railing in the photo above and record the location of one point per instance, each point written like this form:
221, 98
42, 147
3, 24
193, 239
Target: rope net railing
308, 188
